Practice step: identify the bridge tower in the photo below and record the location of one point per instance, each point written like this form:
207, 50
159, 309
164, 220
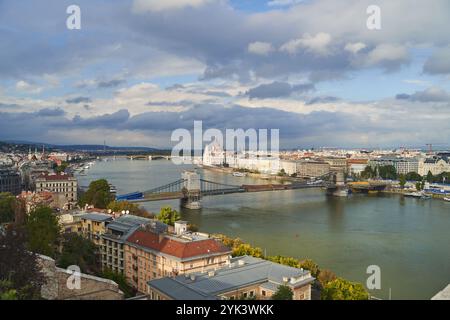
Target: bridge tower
338, 186
191, 190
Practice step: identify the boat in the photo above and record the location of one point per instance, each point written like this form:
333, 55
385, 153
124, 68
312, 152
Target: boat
414, 195
425, 197
447, 199
239, 174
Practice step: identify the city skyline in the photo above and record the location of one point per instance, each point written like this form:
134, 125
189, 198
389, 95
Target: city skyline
137, 70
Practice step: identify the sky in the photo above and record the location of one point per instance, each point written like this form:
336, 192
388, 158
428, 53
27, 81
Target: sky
139, 69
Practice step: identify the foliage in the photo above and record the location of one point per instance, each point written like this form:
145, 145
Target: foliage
168, 216
283, 293
245, 249
387, 172
341, 289
43, 231
310, 265
80, 252
98, 194
20, 274
121, 280
413, 176
287, 261
369, 173
326, 276
7, 206
282, 173
402, 180
119, 206
62, 167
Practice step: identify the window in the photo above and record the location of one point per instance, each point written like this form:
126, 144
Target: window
263, 292
245, 295
252, 293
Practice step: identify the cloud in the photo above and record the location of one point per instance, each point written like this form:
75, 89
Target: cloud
110, 84
47, 112
159, 5
77, 100
354, 47
388, 55
432, 94
316, 44
26, 87
322, 100
439, 62
283, 3
260, 48
277, 89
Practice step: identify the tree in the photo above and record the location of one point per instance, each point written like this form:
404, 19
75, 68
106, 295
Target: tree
43, 231
283, 293
402, 180
21, 276
419, 186
245, 249
310, 265
168, 216
430, 177
368, 173
62, 167
98, 194
119, 206
7, 207
413, 176
80, 252
341, 289
326, 276
387, 172
121, 280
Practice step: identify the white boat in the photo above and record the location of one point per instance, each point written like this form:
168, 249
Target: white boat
447, 199
414, 194
239, 174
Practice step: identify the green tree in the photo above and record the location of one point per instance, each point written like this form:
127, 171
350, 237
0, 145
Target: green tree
20, 273
387, 172
80, 252
121, 280
419, 186
43, 231
245, 249
6, 291
283, 293
413, 176
341, 289
430, 177
98, 194
7, 207
368, 173
168, 216
62, 167
402, 180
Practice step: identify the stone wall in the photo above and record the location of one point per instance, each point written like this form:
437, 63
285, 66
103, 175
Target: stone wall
91, 288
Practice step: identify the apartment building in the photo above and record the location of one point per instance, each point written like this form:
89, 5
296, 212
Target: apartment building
243, 277
117, 231
64, 185
150, 255
93, 226
435, 165
312, 169
401, 165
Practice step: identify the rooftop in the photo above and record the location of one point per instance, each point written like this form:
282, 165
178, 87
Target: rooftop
242, 272
55, 177
182, 249
98, 217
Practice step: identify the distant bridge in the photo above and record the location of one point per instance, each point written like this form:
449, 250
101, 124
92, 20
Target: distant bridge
191, 188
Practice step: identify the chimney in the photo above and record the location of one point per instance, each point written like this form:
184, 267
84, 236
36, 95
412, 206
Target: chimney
192, 277
160, 237
211, 274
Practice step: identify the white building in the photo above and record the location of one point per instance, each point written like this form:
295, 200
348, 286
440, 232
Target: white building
434, 165
213, 155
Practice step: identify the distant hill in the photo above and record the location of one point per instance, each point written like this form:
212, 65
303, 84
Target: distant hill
82, 147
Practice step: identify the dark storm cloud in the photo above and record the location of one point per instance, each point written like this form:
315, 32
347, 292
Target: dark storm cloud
277, 89
114, 120
79, 100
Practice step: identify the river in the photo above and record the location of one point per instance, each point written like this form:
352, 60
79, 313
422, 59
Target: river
409, 239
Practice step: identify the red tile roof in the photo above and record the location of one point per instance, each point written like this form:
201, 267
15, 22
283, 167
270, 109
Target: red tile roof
177, 248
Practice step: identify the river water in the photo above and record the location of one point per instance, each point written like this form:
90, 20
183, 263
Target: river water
409, 239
